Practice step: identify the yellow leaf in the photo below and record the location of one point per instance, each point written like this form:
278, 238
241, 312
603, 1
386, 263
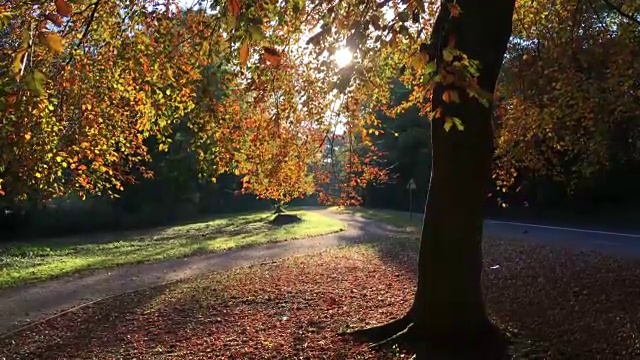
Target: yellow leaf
244, 54
458, 123
447, 54
63, 8
16, 67
53, 41
448, 123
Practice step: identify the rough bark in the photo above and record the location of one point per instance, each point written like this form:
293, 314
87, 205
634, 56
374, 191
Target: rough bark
448, 304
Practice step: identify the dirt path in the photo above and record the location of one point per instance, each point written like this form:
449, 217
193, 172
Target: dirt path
25, 304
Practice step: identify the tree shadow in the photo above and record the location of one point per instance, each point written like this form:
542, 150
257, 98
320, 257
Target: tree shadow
549, 301
216, 224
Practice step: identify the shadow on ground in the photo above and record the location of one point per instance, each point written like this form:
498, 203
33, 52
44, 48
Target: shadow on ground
560, 304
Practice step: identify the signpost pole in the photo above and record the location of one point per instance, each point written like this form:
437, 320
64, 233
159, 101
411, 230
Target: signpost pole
411, 185
410, 204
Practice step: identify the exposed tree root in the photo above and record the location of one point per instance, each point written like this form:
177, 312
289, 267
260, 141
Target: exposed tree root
406, 336
489, 344
380, 333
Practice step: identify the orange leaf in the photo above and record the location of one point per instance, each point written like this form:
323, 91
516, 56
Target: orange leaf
234, 7
272, 55
446, 96
52, 40
244, 54
454, 9
63, 8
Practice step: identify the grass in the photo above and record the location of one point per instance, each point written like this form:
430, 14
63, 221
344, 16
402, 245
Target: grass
45, 259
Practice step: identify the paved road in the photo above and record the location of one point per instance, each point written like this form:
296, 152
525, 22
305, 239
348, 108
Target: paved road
32, 302
622, 243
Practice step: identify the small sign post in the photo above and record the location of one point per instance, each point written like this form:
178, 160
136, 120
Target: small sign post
411, 185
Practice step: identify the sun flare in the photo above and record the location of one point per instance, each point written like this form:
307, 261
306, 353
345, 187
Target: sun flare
343, 57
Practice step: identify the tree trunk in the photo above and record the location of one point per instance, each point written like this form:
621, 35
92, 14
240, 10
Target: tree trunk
448, 307
448, 302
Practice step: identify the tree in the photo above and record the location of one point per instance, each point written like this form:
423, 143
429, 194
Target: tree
450, 54
448, 306
566, 113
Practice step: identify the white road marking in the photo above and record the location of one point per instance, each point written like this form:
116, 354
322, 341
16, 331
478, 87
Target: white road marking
565, 229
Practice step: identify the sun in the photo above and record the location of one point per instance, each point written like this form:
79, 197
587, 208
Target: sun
343, 57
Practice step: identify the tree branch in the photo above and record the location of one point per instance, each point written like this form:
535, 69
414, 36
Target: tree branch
86, 29
618, 9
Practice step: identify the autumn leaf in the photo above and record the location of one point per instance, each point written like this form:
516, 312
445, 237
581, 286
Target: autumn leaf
244, 54
234, 7
55, 19
53, 41
458, 123
256, 33
16, 67
403, 16
63, 8
447, 54
35, 82
454, 9
272, 55
451, 95
448, 123
5, 17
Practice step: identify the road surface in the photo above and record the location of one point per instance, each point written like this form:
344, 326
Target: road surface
622, 243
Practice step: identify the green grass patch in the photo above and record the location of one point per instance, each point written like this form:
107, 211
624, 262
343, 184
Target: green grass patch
401, 219
44, 259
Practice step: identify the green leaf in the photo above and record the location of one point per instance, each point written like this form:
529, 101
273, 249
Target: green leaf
5, 17
298, 5
35, 82
431, 67
448, 123
403, 16
458, 123
256, 33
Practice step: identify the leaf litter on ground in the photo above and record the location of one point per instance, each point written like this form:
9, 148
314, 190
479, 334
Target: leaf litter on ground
558, 304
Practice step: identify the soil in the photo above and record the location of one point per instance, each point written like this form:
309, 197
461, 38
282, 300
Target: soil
285, 219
